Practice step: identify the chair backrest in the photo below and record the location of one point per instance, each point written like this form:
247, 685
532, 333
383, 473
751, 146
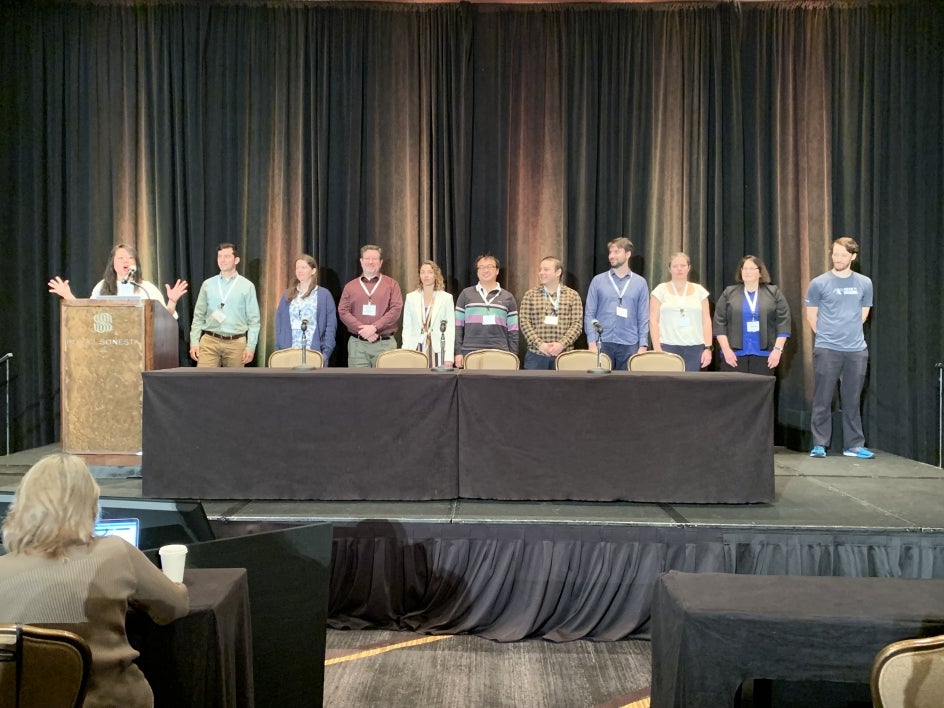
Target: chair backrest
401, 359
41, 667
290, 358
581, 360
655, 361
490, 359
909, 673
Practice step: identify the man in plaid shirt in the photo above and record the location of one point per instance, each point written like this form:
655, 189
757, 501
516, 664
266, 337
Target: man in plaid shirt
550, 316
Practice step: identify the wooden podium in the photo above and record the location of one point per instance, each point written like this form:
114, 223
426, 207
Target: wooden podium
106, 344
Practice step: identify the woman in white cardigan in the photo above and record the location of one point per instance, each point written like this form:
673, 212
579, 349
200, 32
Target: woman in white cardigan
425, 311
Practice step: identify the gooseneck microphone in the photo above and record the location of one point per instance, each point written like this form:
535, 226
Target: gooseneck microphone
598, 369
129, 275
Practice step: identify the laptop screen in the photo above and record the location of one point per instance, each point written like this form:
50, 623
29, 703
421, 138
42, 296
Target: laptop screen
126, 528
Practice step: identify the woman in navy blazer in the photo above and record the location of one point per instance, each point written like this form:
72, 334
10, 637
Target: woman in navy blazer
304, 300
752, 321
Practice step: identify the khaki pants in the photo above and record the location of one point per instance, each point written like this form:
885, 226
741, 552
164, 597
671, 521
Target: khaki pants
362, 355
221, 352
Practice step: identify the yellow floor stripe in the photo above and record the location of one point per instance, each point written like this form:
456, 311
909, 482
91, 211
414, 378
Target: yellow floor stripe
641, 703
381, 650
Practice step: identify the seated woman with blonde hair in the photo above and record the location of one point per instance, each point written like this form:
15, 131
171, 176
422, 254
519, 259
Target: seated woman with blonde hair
57, 573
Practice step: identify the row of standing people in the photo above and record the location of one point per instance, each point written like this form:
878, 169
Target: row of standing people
751, 322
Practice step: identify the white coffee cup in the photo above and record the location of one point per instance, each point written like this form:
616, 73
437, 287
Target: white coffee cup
173, 561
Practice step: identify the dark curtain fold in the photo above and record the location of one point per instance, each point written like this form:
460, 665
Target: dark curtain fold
446, 130
560, 582
508, 583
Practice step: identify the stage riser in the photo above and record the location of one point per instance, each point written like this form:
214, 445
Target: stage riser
564, 582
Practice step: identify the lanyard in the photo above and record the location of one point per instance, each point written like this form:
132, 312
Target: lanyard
620, 293
751, 303
555, 303
484, 295
370, 292
680, 297
219, 284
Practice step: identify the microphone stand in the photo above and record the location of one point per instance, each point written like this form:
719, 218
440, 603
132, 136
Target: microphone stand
6, 360
940, 411
599, 367
442, 349
304, 366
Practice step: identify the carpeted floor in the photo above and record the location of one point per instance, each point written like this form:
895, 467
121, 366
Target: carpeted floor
393, 669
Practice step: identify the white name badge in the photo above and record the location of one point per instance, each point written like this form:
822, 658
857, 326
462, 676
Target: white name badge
488, 320
550, 319
753, 326
219, 316
682, 321
369, 310
622, 312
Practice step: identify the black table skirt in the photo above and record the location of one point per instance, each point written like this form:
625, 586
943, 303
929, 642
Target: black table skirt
712, 631
383, 434
204, 658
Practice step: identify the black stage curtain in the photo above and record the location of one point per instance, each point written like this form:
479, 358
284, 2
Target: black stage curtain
446, 130
563, 582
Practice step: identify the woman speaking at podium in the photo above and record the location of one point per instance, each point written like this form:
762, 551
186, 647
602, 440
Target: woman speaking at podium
123, 277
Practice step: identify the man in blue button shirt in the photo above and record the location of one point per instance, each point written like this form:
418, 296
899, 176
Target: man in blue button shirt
617, 308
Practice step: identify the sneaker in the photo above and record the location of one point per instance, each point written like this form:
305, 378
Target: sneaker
863, 453
818, 451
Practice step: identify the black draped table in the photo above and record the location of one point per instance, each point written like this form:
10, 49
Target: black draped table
712, 631
415, 434
204, 658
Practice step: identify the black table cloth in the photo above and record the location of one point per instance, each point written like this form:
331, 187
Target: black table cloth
646, 437
712, 631
417, 435
204, 658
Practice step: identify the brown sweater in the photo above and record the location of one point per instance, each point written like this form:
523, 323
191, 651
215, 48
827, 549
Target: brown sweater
88, 593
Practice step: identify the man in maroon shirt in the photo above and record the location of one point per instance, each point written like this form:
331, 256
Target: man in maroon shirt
370, 309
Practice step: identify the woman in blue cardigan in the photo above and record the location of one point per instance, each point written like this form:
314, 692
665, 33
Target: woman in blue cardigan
752, 321
304, 300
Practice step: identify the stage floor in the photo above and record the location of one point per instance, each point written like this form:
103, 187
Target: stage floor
888, 494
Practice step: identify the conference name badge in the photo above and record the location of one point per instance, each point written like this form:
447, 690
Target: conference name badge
753, 326
622, 312
369, 310
219, 316
550, 320
489, 320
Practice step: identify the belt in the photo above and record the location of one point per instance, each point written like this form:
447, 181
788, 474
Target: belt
225, 337
381, 337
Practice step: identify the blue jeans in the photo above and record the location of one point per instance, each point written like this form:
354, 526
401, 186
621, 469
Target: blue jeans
848, 369
538, 361
691, 354
619, 354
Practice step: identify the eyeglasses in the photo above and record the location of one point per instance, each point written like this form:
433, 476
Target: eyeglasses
486, 267
750, 268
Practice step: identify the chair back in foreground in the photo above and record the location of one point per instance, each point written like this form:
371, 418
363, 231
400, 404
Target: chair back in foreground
290, 358
491, 359
909, 674
42, 668
402, 359
581, 360
656, 361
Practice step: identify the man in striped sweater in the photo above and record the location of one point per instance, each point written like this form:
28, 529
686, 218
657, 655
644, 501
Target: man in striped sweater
486, 314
